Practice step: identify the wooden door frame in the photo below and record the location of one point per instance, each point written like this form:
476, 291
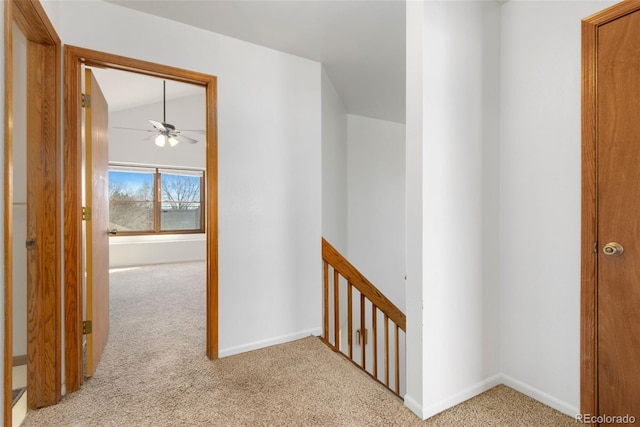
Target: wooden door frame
43, 111
589, 247
74, 59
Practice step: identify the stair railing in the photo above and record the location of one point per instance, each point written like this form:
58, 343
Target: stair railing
342, 278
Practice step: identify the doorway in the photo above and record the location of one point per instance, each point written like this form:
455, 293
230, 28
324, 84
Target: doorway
155, 193
42, 204
75, 59
19, 252
610, 295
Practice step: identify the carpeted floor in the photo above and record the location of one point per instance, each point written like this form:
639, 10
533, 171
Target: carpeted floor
154, 373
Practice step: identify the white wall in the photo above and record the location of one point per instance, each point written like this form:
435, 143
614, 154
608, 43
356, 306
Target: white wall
127, 146
540, 199
129, 251
416, 55
451, 121
376, 214
334, 167
52, 8
269, 110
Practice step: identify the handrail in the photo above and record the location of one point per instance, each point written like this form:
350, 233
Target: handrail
348, 271
372, 308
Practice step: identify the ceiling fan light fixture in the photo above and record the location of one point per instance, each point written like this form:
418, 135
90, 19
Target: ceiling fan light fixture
160, 140
166, 132
173, 141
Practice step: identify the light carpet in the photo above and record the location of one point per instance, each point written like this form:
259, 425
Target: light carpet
154, 373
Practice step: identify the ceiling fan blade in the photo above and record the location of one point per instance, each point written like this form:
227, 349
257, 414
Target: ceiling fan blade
158, 125
141, 130
198, 131
186, 139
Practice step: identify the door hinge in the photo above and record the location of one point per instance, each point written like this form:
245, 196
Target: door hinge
86, 213
86, 101
86, 327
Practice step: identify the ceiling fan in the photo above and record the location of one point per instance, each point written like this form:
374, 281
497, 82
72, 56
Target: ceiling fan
166, 132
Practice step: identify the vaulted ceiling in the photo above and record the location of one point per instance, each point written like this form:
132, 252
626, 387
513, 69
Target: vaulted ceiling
361, 43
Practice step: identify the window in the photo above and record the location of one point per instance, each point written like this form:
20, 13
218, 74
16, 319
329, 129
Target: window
147, 200
180, 200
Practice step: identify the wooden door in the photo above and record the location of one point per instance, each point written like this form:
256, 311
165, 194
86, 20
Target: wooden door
611, 305
97, 221
43, 207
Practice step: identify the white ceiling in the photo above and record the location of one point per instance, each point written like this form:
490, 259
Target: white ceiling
361, 43
124, 90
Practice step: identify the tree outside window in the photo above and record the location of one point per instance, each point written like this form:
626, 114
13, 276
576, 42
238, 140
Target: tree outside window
180, 206
145, 200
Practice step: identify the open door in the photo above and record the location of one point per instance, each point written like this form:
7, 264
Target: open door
96, 214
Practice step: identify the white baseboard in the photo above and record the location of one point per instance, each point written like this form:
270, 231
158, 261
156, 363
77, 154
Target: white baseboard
540, 396
483, 386
413, 406
268, 342
451, 401
460, 397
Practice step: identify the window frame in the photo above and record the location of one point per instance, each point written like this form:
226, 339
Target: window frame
157, 197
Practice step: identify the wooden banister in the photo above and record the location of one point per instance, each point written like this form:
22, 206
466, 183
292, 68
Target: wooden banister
348, 271
346, 278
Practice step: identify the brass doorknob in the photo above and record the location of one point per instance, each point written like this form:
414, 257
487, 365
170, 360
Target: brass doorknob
613, 249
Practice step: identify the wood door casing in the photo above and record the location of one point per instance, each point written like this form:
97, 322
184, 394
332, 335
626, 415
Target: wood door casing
610, 296
74, 59
97, 223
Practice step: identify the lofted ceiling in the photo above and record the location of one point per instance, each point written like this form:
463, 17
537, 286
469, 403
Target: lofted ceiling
124, 90
360, 43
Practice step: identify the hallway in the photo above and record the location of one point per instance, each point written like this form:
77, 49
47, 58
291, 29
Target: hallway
154, 373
